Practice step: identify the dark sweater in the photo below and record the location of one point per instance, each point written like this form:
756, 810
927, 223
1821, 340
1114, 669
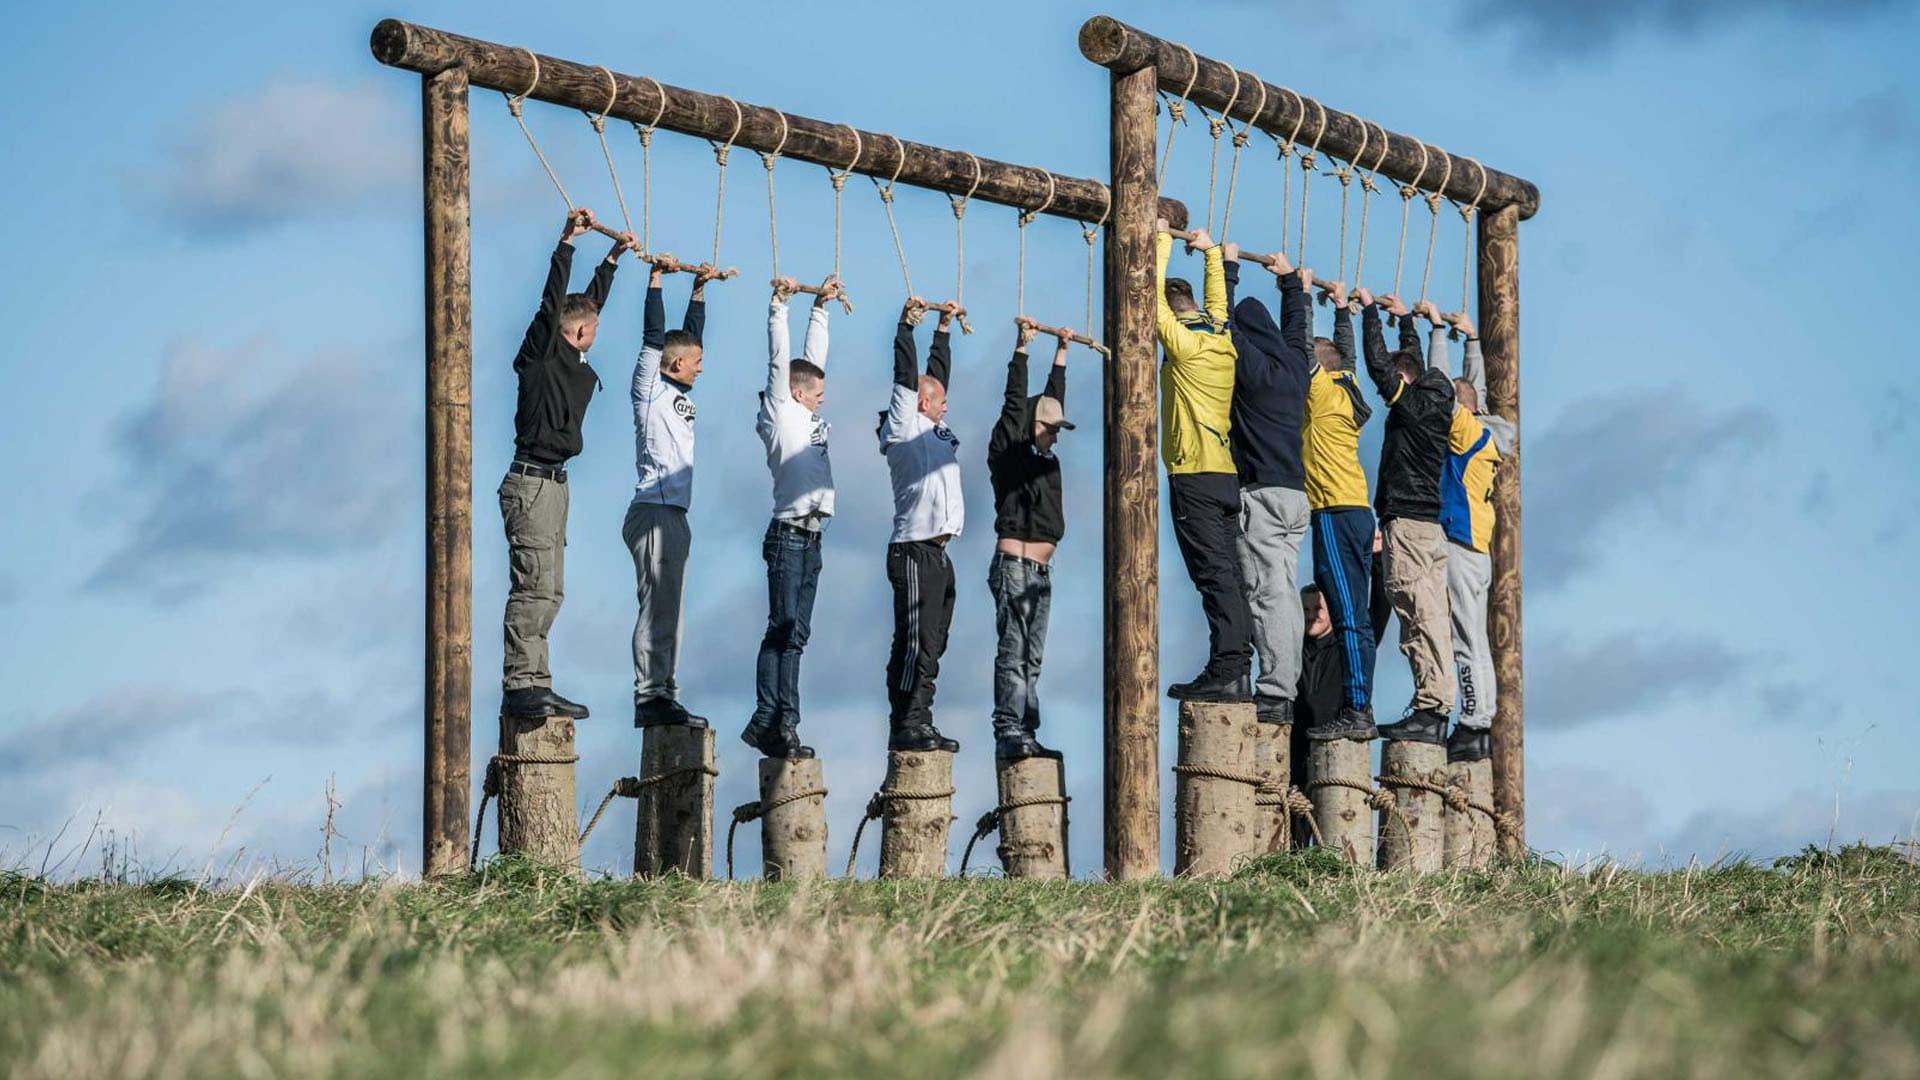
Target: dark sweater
1026, 479
1419, 417
556, 383
1270, 381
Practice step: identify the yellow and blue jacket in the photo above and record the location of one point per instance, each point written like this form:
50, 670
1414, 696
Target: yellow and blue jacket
1196, 374
1330, 438
1466, 488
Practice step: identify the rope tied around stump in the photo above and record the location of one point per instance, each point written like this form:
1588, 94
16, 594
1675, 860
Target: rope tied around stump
1294, 804
991, 820
1211, 773
878, 805
631, 787
755, 810
490, 782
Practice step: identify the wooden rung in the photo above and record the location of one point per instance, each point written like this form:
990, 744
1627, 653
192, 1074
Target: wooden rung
840, 291
667, 264
1058, 332
946, 307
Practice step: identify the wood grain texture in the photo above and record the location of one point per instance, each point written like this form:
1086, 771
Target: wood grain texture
537, 800
1413, 833
1500, 344
1214, 826
1345, 819
793, 836
913, 832
1272, 758
1469, 842
673, 831
1033, 839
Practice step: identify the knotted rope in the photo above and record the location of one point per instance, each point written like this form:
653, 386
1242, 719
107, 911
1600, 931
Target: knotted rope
773, 222
1215, 125
645, 132
1368, 186
886, 203
1378, 798
877, 805
490, 787
720, 152
514, 104
1308, 161
959, 204
993, 819
1467, 214
630, 787
1240, 137
1212, 773
756, 810
1286, 146
599, 123
1294, 804
1433, 229
1407, 192
1176, 114
839, 181
1025, 219
1345, 174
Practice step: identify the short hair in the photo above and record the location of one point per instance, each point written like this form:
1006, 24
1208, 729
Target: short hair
805, 373
928, 382
678, 343
1406, 363
1326, 354
577, 308
1465, 394
1179, 289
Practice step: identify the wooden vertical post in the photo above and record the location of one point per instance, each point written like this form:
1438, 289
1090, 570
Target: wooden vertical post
449, 293
1500, 343
1132, 493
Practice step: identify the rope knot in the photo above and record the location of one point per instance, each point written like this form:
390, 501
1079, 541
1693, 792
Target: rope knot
513, 106
1433, 202
720, 155
1286, 148
1240, 138
1216, 125
769, 160
1298, 804
886, 194
746, 812
988, 822
1367, 184
599, 123
1381, 799
1468, 213
839, 180
646, 135
1308, 159
1408, 191
959, 204
628, 787
1345, 177
1177, 111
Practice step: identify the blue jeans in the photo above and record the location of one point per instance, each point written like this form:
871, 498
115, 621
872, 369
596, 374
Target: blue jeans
1022, 597
792, 555
1342, 565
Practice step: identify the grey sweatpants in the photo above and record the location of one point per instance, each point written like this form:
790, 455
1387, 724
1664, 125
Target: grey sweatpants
535, 514
1273, 523
1414, 556
1469, 574
658, 537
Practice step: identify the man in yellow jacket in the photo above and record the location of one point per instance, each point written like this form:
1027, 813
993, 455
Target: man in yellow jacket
1196, 399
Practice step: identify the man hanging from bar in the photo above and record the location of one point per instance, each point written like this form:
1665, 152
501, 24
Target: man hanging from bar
928, 511
1413, 456
1342, 518
1477, 442
1029, 520
1196, 398
1274, 366
556, 385
795, 436
656, 530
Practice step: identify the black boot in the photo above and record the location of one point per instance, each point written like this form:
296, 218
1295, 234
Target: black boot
1418, 725
563, 707
1469, 744
760, 734
921, 737
657, 712
1021, 745
539, 702
1272, 710
1213, 686
788, 731
1348, 723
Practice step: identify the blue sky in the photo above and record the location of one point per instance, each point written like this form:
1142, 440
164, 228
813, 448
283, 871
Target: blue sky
211, 566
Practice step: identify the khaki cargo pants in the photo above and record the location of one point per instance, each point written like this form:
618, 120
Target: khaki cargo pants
535, 513
1415, 558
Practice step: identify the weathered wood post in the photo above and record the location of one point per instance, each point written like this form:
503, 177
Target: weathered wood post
1339, 781
1213, 798
1413, 830
533, 775
1033, 818
1470, 836
1500, 344
793, 823
673, 832
1272, 763
449, 675
915, 813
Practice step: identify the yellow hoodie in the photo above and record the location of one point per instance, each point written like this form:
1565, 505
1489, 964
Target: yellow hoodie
1196, 376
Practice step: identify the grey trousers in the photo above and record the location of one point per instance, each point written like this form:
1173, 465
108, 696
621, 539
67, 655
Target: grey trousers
535, 514
1022, 599
658, 538
1469, 575
1414, 558
1273, 523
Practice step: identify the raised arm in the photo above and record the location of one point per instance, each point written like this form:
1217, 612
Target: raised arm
1437, 354
540, 330
653, 342
1379, 366
1410, 339
695, 320
1231, 266
906, 357
1174, 336
940, 356
1013, 407
1343, 337
1216, 286
1296, 323
815, 349
778, 346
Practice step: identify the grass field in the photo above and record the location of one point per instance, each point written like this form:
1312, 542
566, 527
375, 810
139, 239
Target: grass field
1296, 966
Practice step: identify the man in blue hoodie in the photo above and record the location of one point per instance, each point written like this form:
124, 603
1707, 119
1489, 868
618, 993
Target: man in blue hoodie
1274, 365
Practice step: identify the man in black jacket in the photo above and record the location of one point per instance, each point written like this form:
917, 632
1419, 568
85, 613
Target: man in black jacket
1029, 521
1271, 373
1414, 547
556, 385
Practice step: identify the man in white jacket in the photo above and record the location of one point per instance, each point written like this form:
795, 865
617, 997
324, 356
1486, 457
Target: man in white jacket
923, 461
795, 436
656, 530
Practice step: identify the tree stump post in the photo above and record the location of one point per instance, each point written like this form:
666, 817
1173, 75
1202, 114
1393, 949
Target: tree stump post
535, 777
915, 814
1470, 840
1413, 832
1272, 763
1213, 796
1033, 823
793, 830
1338, 778
673, 833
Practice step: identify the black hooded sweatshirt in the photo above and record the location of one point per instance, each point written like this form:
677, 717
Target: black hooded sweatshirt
1270, 380
1419, 417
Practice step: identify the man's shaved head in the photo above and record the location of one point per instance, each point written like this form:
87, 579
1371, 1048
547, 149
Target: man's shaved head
933, 398
1466, 395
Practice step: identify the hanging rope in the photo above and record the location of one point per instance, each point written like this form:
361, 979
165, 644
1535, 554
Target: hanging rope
1215, 125
959, 204
1368, 185
1240, 138
1345, 173
1286, 173
877, 806
756, 810
1407, 192
1090, 233
839, 180
1433, 227
1466, 243
645, 132
773, 223
996, 817
600, 130
886, 202
720, 152
1025, 219
1308, 161
514, 104
1176, 114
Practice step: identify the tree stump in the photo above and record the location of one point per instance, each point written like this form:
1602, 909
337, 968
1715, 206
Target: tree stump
793, 830
1272, 763
534, 770
1413, 833
1033, 827
674, 830
1470, 840
915, 812
1213, 796
1338, 778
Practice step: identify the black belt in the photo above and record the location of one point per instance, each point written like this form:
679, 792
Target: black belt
540, 472
788, 526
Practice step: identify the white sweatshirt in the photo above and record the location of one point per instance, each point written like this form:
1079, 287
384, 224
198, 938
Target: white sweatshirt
663, 431
795, 436
923, 457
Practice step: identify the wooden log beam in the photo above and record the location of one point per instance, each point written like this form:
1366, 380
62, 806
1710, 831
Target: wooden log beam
639, 99
1121, 48
1499, 242
449, 367
1131, 541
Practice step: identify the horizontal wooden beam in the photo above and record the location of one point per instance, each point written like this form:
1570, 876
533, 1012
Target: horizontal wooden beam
1279, 111
639, 99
